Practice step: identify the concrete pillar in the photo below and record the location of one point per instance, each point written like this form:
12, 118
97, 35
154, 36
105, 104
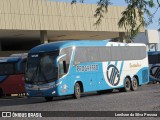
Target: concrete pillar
122, 37
44, 37
156, 46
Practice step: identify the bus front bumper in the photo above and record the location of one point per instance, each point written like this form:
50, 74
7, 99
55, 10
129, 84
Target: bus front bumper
41, 93
40, 90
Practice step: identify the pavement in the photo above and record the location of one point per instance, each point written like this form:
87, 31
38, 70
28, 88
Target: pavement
146, 98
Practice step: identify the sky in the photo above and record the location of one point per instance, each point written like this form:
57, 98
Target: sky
154, 26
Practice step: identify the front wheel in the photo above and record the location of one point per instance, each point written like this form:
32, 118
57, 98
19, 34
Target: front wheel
49, 98
134, 84
77, 91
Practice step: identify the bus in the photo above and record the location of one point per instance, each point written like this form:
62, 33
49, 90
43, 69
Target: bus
12, 70
75, 67
154, 66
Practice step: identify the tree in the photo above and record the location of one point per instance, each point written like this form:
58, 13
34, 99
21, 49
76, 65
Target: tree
133, 16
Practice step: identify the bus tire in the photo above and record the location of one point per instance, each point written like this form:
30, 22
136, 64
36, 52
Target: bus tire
77, 91
49, 98
134, 85
127, 85
1, 93
154, 82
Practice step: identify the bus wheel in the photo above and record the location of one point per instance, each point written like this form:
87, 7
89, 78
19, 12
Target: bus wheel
77, 91
49, 98
1, 92
154, 82
134, 85
127, 85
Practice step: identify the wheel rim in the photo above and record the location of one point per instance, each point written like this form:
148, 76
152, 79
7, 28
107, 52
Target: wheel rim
127, 84
135, 83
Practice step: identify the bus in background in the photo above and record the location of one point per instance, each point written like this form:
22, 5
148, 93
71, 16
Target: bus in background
154, 66
12, 74
75, 67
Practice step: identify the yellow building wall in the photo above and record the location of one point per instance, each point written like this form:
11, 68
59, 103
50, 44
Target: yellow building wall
46, 15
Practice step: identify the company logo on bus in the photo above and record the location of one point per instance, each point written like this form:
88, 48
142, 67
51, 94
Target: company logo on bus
155, 72
113, 75
34, 56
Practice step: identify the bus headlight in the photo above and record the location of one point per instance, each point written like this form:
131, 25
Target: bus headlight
53, 92
57, 84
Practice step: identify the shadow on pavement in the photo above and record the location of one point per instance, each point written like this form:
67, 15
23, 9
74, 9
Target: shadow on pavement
23, 100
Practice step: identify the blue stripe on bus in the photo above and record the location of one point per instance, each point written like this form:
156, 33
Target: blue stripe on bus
121, 67
116, 63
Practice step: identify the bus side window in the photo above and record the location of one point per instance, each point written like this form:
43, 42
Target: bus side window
63, 69
23, 65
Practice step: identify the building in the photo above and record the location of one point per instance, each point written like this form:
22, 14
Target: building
27, 23
150, 38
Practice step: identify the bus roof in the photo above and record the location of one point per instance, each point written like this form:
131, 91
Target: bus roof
19, 55
153, 52
13, 58
53, 46
9, 59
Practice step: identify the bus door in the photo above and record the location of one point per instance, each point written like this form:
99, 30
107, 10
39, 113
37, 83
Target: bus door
63, 74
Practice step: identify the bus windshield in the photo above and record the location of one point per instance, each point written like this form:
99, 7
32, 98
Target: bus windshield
41, 68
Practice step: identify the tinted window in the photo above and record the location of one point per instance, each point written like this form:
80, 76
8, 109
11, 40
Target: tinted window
105, 54
47, 67
20, 66
100, 54
7, 68
41, 67
23, 66
68, 52
154, 59
80, 55
128, 52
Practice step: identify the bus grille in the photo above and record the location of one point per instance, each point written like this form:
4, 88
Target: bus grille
145, 76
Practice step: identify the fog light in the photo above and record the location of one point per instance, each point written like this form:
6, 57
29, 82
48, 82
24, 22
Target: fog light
53, 92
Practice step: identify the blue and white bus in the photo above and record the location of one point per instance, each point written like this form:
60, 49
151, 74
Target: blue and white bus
154, 65
74, 67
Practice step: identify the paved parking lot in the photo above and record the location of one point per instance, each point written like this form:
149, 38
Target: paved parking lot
146, 98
